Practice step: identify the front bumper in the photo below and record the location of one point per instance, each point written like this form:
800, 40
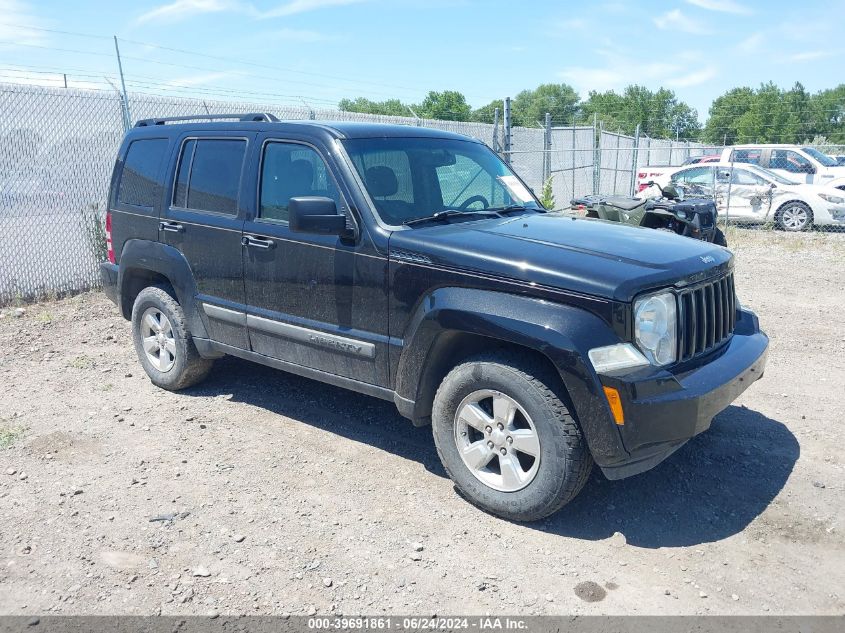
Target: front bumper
664, 409
108, 277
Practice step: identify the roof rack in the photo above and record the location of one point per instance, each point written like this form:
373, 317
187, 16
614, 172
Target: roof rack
257, 117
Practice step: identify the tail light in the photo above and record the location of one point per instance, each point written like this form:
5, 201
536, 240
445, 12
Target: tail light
109, 245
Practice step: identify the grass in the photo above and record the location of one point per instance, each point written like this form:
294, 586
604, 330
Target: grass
9, 434
81, 362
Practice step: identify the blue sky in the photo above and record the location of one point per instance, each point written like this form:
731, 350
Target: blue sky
318, 51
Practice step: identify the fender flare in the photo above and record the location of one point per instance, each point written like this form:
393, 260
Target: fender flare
148, 256
562, 333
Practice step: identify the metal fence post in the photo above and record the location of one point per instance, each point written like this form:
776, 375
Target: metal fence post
599, 156
547, 149
496, 147
507, 130
573, 155
127, 119
596, 155
635, 161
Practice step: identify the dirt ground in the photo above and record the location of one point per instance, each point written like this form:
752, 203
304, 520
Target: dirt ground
264, 493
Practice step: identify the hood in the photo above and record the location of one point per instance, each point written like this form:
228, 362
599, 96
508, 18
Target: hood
812, 191
593, 257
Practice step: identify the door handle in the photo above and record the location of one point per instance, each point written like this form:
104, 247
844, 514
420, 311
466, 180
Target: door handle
257, 242
171, 227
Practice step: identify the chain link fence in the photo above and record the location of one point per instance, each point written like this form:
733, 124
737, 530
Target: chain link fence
58, 146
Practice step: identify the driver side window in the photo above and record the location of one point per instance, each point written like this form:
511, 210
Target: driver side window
791, 161
467, 185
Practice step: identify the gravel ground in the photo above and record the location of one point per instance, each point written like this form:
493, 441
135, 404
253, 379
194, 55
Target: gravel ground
264, 493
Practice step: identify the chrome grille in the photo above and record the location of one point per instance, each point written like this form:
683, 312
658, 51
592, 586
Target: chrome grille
707, 316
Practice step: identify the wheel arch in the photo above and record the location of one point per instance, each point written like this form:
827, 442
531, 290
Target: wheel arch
456, 323
145, 263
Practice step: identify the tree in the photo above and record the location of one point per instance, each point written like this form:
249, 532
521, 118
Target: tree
487, 113
449, 105
391, 107
658, 114
529, 107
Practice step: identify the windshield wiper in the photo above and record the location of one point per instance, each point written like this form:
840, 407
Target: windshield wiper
449, 213
514, 207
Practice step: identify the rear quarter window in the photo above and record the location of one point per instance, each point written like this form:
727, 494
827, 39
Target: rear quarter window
139, 181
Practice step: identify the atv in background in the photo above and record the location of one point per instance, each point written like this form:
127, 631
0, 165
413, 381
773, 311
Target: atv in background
663, 209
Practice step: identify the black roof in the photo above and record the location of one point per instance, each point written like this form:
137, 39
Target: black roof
259, 122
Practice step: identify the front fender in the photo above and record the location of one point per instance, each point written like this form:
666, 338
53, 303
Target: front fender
148, 256
562, 333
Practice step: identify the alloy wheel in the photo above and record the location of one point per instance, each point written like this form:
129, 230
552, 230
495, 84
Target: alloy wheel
158, 340
497, 440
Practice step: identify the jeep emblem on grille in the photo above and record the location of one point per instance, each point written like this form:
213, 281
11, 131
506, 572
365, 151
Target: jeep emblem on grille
707, 259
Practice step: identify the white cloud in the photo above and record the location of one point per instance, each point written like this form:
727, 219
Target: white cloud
722, 6
809, 56
302, 6
181, 9
751, 43
695, 78
675, 20
20, 24
618, 74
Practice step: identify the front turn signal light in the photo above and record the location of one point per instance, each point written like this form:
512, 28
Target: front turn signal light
615, 403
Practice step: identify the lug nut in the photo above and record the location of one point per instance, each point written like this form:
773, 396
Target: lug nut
489, 444
503, 451
489, 429
510, 440
501, 426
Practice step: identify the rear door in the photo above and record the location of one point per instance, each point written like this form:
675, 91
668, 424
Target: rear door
204, 220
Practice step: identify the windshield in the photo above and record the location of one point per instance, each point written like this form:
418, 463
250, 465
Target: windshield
824, 159
772, 175
410, 178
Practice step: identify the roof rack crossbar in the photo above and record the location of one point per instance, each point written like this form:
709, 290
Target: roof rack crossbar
257, 117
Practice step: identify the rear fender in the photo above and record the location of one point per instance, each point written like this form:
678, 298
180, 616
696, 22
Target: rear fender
145, 256
563, 334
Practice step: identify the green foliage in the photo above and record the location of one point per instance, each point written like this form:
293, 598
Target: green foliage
659, 114
9, 434
547, 196
449, 105
93, 227
390, 107
772, 115
767, 114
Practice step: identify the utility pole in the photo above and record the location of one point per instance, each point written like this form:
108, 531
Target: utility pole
127, 117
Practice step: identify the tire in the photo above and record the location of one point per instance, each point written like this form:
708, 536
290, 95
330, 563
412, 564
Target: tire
563, 461
794, 216
719, 238
177, 364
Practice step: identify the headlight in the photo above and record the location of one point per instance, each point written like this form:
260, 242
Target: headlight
655, 328
832, 199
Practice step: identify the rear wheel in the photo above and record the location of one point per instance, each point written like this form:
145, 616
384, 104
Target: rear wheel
507, 439
794, 216
163, 342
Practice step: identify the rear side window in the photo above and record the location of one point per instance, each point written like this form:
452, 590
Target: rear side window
209, 175
139, 184
751, 156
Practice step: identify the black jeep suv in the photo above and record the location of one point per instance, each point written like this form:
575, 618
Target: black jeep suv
413, 265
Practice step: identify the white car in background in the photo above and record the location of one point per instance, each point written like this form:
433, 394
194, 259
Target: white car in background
795, 162
759, 195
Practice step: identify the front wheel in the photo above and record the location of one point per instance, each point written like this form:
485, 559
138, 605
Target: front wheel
719, 238
163, 342
794, 216
506, 438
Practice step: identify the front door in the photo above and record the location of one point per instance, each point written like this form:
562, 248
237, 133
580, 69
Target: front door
317, 301
750, 195
204, 220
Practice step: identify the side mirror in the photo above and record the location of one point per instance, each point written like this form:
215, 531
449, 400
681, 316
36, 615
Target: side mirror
315, 214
